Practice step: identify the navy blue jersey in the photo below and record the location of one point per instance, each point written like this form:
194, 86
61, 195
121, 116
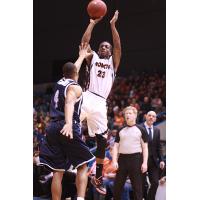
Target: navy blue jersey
58, 101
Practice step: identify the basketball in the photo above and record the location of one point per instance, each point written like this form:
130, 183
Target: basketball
96, 9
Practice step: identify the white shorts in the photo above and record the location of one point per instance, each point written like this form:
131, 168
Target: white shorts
94, 110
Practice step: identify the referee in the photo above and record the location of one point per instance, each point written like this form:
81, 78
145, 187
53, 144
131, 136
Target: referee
130, 155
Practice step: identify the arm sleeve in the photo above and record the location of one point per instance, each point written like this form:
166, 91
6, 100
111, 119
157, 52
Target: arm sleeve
144, 133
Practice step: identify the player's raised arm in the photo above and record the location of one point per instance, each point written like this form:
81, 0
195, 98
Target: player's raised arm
83, 53
87, 35
116, 41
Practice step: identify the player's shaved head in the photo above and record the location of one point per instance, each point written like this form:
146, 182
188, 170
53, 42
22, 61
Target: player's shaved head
69, 70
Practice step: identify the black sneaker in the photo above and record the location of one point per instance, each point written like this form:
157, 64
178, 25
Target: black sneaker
98, 184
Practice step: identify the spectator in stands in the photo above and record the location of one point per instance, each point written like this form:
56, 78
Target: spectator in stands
112, 135
119, 119
156, 104
145, 106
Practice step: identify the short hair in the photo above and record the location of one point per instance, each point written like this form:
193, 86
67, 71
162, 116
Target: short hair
130, 108
151, 111
69, 70
111, 48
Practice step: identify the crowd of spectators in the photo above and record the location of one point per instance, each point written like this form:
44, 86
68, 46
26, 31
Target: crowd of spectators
145, 92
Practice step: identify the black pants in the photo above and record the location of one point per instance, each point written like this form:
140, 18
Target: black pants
145, 186
129, 165
153, 173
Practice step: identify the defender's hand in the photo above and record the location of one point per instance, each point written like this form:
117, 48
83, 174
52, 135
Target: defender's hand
85, 50
67, 131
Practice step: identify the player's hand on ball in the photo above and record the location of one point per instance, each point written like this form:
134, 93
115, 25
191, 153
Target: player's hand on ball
95, 21
67, 131
115, 17
144, 167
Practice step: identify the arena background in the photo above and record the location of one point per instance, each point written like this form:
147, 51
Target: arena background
183, 63
57, 32
58, 28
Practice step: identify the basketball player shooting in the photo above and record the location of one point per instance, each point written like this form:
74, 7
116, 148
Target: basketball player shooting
103, 66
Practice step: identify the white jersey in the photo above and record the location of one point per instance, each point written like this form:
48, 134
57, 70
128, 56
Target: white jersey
102, 75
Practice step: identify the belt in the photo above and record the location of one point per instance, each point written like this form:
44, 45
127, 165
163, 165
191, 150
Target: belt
131, 154
97, 94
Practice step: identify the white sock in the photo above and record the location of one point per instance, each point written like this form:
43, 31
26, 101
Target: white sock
80, 198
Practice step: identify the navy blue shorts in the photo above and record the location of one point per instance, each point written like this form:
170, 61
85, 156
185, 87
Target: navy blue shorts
59, 152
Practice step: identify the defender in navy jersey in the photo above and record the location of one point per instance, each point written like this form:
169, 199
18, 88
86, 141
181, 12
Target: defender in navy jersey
58, 102
103, 66
64, 145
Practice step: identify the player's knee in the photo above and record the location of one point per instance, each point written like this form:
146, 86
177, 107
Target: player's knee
58, 176
82, 169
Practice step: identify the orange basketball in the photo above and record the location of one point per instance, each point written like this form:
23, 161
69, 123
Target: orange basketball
96, 9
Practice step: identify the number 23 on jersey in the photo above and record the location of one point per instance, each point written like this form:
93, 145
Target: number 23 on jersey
101, 74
